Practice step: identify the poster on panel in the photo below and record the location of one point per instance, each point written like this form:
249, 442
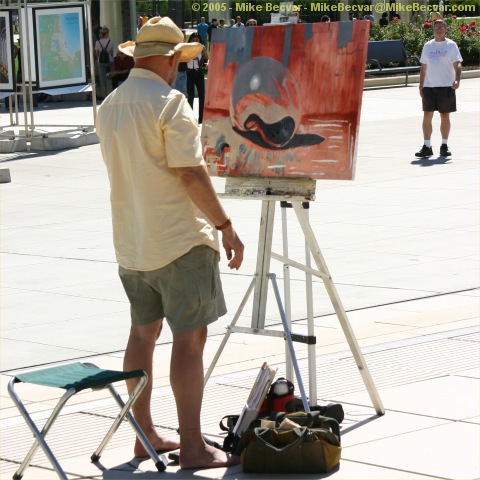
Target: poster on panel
60, 46
31, 43
285, 100
7, 69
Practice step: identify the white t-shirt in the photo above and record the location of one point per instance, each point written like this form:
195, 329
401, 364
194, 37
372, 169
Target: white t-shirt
147, 130
439, 58
195, 63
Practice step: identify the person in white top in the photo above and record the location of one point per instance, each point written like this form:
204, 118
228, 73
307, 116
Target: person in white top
104, 43
439, 78
196, 76
238, 23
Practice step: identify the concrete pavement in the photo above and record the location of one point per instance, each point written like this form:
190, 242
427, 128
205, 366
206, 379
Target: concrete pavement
401, 242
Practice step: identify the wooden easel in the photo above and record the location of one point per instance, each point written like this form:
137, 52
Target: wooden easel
295, 192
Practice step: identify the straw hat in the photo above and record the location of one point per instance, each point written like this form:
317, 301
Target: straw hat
160, 36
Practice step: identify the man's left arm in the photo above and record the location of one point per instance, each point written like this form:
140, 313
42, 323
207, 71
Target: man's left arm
200, 189
457, 67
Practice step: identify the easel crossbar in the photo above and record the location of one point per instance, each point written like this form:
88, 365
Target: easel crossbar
296, 337
299, 266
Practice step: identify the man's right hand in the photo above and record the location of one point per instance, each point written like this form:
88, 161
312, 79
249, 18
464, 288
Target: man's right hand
233, 247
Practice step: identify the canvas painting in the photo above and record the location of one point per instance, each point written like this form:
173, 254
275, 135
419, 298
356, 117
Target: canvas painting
7, 74
60, 46
285, 100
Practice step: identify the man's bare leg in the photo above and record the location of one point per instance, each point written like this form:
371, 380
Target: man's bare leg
186, 379
445, 125
139, 356
427, 125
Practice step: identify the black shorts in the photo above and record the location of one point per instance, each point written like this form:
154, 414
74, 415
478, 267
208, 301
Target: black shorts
441, 99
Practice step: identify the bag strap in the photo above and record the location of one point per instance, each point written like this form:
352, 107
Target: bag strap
103, 47
230, 419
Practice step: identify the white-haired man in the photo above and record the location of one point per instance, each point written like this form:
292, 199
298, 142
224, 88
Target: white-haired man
164, 210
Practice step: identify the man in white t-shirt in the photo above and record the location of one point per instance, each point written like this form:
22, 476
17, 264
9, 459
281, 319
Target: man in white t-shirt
238, 23
439, 78
165, 216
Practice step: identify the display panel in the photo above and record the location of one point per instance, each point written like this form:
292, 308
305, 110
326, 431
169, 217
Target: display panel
7, 69
60, 46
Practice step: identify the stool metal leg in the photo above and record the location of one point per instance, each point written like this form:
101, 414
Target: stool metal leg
39, 436
125, 412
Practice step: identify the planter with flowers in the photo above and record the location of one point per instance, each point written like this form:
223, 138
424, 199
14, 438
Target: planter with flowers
465, 32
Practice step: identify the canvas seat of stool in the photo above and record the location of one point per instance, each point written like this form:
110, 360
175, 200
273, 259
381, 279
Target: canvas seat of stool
74, 378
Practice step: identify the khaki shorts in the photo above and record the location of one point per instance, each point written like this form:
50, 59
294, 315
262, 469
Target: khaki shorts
188, 291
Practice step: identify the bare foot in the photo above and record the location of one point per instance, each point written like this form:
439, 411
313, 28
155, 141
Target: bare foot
207, 457
161, 443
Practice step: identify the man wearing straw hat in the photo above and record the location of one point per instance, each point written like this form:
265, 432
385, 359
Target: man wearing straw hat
165, 215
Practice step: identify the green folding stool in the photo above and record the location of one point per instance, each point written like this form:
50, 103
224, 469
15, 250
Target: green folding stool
74, 378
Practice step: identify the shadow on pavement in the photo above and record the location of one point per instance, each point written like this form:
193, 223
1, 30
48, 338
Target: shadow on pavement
429, 162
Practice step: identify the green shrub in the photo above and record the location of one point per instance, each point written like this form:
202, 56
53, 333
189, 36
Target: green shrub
465, 32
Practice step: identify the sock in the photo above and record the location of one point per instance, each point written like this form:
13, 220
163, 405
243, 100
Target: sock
444, 141
427, 143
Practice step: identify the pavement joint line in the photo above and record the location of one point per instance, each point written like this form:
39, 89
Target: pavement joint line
408, 432
273, 325
59, 258
227, 379
429, 475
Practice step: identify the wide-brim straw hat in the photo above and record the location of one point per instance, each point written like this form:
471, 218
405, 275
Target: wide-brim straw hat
160, 36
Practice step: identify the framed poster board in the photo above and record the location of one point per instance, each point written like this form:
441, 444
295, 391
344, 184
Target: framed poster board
7, 66
285, 100
59, 46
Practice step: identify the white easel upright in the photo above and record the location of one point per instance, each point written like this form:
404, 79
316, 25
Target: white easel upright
296, 192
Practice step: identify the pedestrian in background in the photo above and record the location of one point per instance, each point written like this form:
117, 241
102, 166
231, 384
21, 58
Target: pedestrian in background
196, 68
439, 79
104, 43
202, 29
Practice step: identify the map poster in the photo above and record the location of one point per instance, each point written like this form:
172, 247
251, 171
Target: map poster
60, 46
284, 100
7, 74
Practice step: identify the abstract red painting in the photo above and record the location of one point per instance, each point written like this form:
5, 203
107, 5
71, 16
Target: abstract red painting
284, 100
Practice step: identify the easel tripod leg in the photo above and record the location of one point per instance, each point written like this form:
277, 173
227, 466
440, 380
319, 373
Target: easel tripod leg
287, 296
339, 310
227, 335
286, 329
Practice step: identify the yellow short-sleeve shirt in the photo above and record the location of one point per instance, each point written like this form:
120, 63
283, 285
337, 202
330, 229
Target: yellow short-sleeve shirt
146, 131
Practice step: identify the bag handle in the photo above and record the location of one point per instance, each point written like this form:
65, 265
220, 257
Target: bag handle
314, 418
300, 432
333, 425
230, 418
